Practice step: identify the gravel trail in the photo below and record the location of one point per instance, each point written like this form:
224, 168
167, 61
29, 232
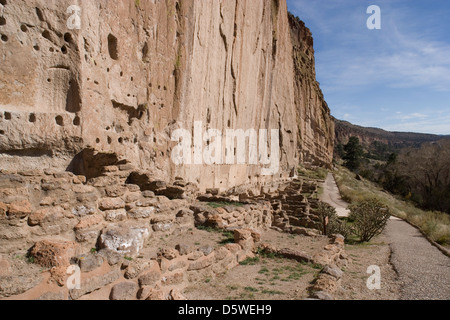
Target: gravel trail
332, 196
424, 271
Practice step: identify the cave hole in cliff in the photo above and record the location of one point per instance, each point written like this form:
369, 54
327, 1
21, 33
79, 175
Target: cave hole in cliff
142, 180
112, 47
91, 163
73, 98
4, 38
109, 140
59, 121
2, 21
67, 37
23, 28
32, 118
145, 52
51, 49
76, 121
46, 35
120, 140
2, 132
37, 48
3, 2
64, 49
8, 116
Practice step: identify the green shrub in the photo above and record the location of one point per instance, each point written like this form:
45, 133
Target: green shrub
369, 218
339, 227
354, 191
325, 211
334, 226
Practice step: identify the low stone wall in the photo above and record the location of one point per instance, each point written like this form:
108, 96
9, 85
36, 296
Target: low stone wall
36, 205
115, 213
62, 216
231, 215
292, 204
334, 258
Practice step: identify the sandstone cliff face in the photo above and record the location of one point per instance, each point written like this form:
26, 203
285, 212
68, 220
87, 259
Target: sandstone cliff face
315, 124
116, 89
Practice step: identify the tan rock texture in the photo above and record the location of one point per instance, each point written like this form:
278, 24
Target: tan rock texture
316, 127
112, 92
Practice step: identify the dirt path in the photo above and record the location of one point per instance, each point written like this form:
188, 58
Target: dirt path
424, 272
354, 282
332, 196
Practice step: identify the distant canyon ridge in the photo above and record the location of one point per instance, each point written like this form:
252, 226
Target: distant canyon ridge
394, 140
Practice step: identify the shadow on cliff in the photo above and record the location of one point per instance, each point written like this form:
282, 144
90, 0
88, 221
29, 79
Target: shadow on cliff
91, 163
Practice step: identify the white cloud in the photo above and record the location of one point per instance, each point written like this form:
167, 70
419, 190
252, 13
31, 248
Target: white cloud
396, 56
412, 116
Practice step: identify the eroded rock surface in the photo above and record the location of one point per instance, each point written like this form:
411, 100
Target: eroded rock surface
112, 92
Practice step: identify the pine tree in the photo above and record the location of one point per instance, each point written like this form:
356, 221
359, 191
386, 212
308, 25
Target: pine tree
353, 154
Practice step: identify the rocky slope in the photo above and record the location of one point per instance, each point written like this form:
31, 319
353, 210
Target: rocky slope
115, 90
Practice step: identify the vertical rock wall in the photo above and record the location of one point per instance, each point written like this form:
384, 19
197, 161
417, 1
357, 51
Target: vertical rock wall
315, 124
116, 89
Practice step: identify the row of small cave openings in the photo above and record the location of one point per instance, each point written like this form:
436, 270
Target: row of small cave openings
32, 118
60, 122
110, 140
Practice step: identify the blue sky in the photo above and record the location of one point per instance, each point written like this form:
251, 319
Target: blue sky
396, 78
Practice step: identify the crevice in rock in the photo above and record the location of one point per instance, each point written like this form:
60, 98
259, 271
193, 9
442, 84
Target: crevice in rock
133, 113
39, 14
59, 66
